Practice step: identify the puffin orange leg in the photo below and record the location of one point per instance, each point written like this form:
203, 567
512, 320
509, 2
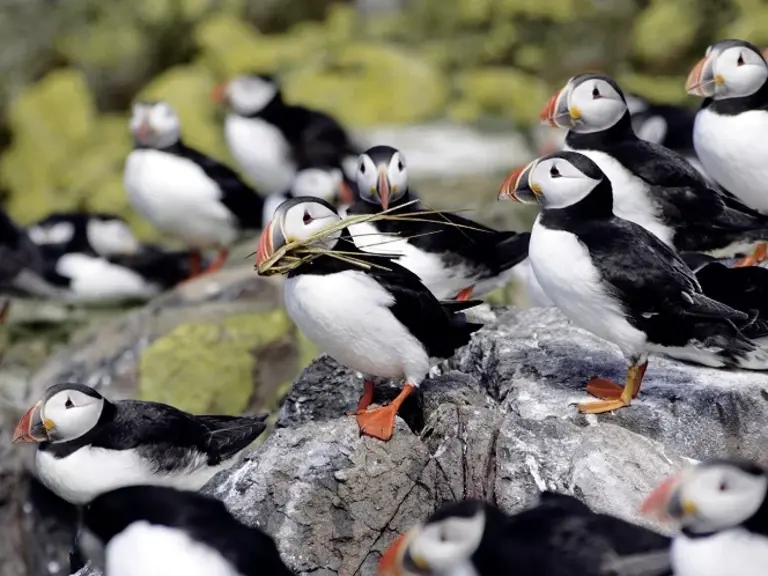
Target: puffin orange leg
380, 422
611, 402
221, 259
365, 400
759, 255
464, 294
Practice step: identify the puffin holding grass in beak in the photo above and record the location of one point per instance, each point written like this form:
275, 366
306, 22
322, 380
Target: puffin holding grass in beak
87, 445
730, 127
454, 257
615, 279
721, 507
380, 321
559, 536
654, 187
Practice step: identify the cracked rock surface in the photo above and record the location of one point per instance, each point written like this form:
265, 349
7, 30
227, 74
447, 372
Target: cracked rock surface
497, 424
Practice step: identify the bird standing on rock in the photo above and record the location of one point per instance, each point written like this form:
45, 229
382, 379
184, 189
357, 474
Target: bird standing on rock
88, 445
184, 192
620, 282
159, 531
454, 257
654, 187
380, 321
560, 536
270, 139
730, 128
722, 507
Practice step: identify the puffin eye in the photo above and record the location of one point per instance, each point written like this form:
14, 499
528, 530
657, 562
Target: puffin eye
723, 486
307, 217
69, 404
554, 172
595, 92
400, 165
362, 168
740, 61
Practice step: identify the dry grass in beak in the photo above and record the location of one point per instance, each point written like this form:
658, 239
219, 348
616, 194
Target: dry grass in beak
294, 254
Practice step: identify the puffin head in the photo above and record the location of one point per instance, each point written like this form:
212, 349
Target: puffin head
327, 183
65, 412
382, 175
555, 181
444, 545
729, 69
296, 220
247, 94
713, 496
155, 124
587, 103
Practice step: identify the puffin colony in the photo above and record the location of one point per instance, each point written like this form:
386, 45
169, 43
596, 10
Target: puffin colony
636, 212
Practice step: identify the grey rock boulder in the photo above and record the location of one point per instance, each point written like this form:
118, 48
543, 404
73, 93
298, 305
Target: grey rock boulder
497, 424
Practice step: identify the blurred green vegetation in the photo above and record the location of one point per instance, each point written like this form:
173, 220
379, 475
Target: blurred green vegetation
69, 69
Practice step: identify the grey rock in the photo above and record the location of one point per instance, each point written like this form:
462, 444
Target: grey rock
498, 425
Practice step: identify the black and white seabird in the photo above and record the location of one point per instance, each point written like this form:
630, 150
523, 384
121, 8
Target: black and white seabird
614, 278
654, 186
183, 192
270, 138
560, 536
730, 128
94, 233
454, 257
380, 322
88, 445
722, 509
160, 531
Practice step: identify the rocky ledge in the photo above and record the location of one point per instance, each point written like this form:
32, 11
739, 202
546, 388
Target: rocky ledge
494, 422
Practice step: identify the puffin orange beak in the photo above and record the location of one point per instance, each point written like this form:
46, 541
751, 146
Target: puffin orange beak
765, 54
31, 428
557, 113
219, 93
701, 80
665, 502
346, 195
391, 561
5, 305
517, 187
265, 248
382, 187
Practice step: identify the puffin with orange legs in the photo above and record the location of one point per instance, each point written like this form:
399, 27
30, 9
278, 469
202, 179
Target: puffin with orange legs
654, 187
615, 279
380, 321
729, 131
455, 258
184, 192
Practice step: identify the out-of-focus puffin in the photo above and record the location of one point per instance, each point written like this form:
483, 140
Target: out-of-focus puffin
270, 138
184, 192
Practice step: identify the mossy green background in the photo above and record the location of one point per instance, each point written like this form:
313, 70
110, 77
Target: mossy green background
71, 69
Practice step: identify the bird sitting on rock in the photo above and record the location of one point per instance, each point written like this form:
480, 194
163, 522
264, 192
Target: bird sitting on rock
88, 445
160, 531
454, 257
381, 321
184, 192
722, 509
560, 536
614, 278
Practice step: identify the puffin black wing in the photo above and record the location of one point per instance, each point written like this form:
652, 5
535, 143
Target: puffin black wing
164, 435
239, 198
321, 141
166, 268
744, 288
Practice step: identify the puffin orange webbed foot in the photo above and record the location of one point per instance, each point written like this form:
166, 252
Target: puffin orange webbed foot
604, 388
380, 422
464, 294
758, 256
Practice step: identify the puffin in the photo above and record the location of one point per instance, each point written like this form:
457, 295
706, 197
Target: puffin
654, 187
96, 233
558, 536
615, 279
87, 445
728, 131
22, 266
160, 531
721, 507
454, 257
92, 279
183, 192
270, 138
327, 182
380, 321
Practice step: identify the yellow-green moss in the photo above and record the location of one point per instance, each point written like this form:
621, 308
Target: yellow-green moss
208, 367
664, 28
